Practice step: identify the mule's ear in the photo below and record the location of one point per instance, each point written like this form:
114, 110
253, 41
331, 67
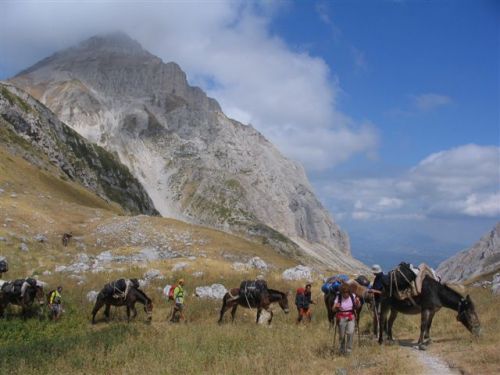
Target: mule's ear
468, 298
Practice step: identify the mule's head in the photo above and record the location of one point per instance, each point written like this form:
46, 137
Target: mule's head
467, 315
284, 303
405, 275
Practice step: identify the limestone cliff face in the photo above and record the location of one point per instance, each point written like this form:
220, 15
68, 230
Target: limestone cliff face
31, 129
196, 164
480, 259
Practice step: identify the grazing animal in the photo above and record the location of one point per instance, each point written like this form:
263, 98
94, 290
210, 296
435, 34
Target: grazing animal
66, 237
10, 294
233, 299
134, 295
433, 297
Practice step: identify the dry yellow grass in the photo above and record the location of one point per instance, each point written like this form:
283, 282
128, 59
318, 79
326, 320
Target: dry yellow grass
44, 203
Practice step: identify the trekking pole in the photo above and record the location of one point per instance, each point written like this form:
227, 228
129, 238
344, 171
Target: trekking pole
334, 333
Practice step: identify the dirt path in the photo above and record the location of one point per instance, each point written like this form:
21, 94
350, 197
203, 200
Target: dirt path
432, 364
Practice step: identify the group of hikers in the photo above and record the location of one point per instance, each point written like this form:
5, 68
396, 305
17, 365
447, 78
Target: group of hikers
406, 289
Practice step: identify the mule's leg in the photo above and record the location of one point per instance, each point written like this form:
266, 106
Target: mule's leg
134, 311
384, 308
233, 312
392, 318
128, 314
98, 304
259, 310
106, 311
424, 321
223, 309
271, 318
427, 335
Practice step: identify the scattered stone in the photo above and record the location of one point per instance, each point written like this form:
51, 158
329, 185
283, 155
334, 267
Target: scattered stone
198, 274
3, 239
258, 264
60, 268
192, 258
238, 266
23, 247
1, 191
46, 273
215, 291
13, 195
41, 238
299, 272
153, 274
482, 284
77, 277
495, 284
92, 296
179, 266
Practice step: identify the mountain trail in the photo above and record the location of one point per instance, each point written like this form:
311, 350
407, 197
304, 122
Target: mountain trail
432, 364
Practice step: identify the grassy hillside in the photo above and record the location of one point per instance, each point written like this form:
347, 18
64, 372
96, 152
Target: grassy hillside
38, 201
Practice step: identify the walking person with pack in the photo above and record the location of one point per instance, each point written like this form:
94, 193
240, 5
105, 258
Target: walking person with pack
55, 303
178, 297
344, 306
303, 301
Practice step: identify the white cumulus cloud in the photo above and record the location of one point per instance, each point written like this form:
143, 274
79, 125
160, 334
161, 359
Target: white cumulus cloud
225, 47
463, 181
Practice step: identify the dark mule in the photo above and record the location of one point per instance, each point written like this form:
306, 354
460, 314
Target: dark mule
9, 295
433, 297
233, 299
134, 295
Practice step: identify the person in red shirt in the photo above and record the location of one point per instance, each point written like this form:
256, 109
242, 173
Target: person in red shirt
344, 306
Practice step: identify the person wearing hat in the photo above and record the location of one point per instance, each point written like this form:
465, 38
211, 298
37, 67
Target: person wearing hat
178, 312
378, 273
55, 303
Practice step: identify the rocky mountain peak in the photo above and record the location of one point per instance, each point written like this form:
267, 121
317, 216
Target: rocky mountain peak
115, 42
482, 258
196, 164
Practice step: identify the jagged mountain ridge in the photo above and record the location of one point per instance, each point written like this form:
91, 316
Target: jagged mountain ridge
482, 258
28, 125
196, 164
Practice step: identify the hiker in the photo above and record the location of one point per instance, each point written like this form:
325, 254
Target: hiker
344, 306
178, 311
66, 237
55, 303
303, 301
379, 274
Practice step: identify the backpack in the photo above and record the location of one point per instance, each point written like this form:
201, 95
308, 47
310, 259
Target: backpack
171, 292
338, 298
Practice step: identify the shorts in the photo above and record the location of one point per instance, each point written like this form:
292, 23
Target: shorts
179, 306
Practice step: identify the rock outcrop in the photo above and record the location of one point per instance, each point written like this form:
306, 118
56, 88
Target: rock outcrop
31, 130
481, 259
196, 164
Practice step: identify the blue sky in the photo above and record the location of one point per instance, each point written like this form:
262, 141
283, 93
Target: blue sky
391, 106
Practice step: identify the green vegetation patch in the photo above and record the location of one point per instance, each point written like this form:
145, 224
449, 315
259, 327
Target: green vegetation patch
15, 100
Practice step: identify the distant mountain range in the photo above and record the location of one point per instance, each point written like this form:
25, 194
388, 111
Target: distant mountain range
195, 163
481, 259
